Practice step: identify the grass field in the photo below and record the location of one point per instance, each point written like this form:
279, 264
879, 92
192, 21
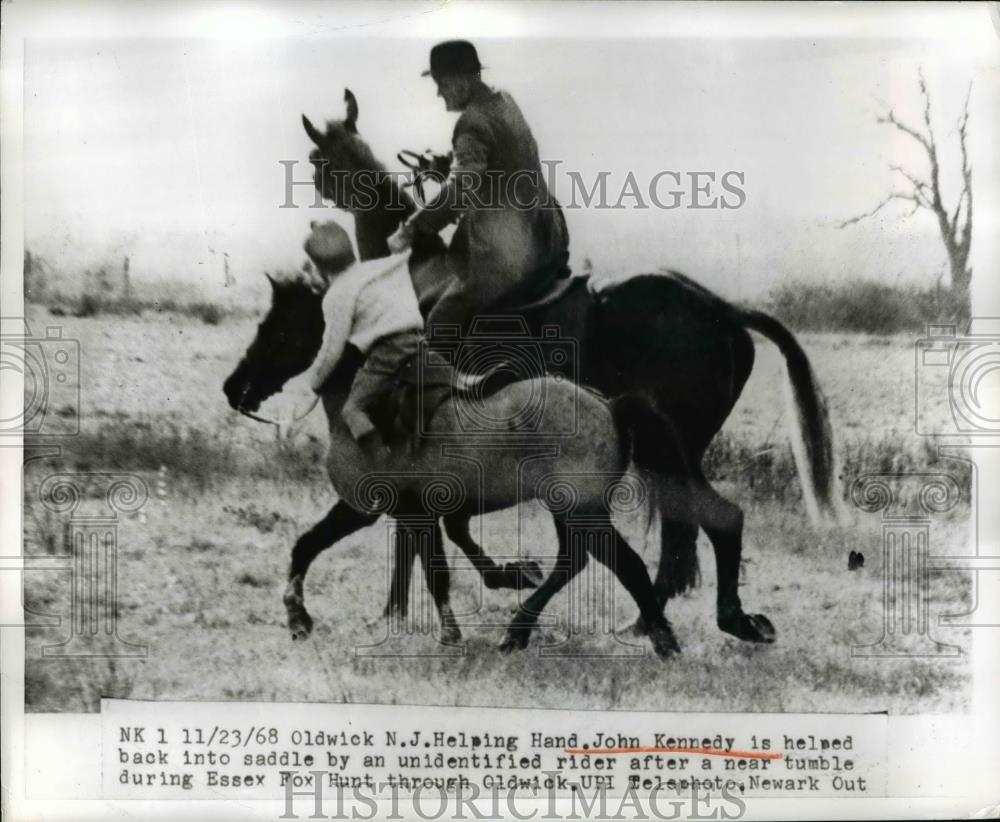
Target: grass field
202, 566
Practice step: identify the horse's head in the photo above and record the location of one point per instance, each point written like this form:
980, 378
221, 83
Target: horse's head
287, 341
342, 161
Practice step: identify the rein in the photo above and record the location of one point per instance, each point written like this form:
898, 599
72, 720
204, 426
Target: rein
424, 166
290, 425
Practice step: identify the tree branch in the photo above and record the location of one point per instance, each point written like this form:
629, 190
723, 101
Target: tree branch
963, 124
889, 118
920, 187
896, 195
927, 106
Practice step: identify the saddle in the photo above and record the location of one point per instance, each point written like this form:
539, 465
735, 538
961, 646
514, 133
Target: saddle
500, 350
419, 389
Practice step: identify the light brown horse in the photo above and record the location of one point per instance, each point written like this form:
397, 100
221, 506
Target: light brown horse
571, 454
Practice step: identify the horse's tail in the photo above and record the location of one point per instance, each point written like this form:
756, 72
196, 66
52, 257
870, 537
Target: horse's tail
812, 439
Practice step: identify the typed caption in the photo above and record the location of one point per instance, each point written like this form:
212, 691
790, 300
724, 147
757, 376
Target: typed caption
264, 751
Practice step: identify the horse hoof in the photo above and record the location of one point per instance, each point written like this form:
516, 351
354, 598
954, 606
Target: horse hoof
665, 644
514, 642
451, 635
749, 628
300, 625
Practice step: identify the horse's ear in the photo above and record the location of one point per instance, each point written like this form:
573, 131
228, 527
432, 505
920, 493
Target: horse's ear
312, 131
351, 121
272, 281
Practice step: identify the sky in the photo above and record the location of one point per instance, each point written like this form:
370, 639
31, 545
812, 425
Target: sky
167, 148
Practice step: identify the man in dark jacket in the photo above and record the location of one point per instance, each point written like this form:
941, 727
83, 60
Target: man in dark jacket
511, 243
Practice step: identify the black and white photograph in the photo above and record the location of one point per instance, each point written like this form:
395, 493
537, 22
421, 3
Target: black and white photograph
617, 359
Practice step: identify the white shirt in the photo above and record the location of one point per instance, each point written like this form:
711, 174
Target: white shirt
363, 304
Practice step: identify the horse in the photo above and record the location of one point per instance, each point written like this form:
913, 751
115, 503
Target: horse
660, 335
576, 475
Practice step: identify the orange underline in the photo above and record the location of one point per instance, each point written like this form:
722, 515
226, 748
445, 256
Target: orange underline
703, 751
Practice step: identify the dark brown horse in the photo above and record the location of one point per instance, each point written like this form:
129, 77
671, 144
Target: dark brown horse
572, 456
663, 336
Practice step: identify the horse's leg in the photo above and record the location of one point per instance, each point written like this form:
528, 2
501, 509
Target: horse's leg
569, 562
628, 567
516, 575
438, 576
723, 522
404, 553
677, 540
341, 521
677, 569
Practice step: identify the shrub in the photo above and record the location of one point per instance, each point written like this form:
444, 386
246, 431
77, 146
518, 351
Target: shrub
862, 306
144, 443
208, 313
96, 303
88, 306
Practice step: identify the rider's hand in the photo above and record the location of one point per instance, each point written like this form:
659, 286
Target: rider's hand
401, 239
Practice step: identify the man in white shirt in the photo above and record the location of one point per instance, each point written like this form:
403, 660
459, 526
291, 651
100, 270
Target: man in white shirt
373, 307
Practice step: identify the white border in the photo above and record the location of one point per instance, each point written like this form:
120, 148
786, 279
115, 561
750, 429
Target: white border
963, 747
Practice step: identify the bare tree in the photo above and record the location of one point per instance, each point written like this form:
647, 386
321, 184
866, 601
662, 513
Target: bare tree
925, 192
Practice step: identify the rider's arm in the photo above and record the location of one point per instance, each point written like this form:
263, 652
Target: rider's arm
338, 316
471, 146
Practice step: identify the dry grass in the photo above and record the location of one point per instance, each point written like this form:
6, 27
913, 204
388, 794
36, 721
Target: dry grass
205, 594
